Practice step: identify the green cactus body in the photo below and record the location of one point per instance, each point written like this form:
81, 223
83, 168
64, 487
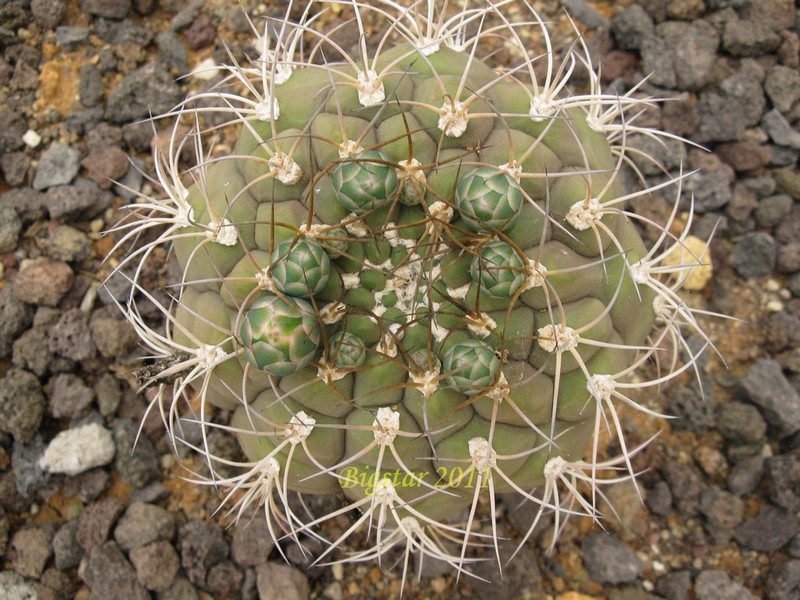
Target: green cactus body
431, 280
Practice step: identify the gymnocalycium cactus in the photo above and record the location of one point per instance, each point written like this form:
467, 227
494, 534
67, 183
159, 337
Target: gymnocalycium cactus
414, 280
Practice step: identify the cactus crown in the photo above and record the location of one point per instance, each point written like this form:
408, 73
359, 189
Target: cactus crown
414, 279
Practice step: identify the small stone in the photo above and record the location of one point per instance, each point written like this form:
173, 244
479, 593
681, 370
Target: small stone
173, 52
109, 9
675, 585
68, 37
609, 560
107, 166
783, 87
659, 499
143, 524
31, 351
90, 88
63, 242
789, 258
108, 393
201, 34
721, 120
783, 481
96, 521
252, 542
746, 475
113, 337
43, 281
67, 550
693, 48
631, 27
767, 387
783, 581
717, 585
770, 530
779, 129
723, 512
79, 449
15, 317
224, 579
12, 128
156, 565
754, 256
773, 209
59, 165
10, 227
685, 485
746, 38
745, 156
149, 90
181, 589
136, 468
277, 580
109, 574
15, 167
29, 204
788, 182
14, 587
32, 547
70, 336
48, 13
202, 546
69, 396
740, 423
22, 404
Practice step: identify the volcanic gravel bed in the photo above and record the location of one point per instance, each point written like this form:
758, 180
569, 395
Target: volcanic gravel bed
720, 484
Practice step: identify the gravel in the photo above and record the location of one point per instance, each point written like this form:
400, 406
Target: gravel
77, 450
767, 387
59, 165
22, 404
143, 524
717, 585
771, 529
609, 560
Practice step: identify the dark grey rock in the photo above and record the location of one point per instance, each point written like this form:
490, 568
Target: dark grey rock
744, 88
12, 128
69, 36
794, 285
201, 546
685, 485
48, 13
675, 585
143, 524
15, 317
779, 129
123, 32
692, 411
152, 492
31, 351
711, 190
186, 16
252, 542
723, 512
783, 87
783, 156
754, 255
63, 242
766, 386
29, 477
70, 336
69, 396
276, 579
90, 88
109, 574
59, 165
740, 423
173, 52
770, 530
43, 281
782, 331
83, 199
67, 550
136, 465
789, 261
773, 209
609, 560
15, 167
10, 227
693, 48
657, 62
182, 589
659, 499
156, 565
224, 579
32, 548
582, 11
783, 480
783, 581
775, 14
29, 203
717, 585
746, 38
631, 27
110, 9
96, 521
113, 336
108, 393
148, 89
721, 120
21, 404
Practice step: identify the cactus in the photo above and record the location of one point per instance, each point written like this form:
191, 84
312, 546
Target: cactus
414, 280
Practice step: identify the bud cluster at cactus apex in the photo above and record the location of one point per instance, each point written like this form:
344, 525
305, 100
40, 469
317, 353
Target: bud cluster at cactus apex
413, 283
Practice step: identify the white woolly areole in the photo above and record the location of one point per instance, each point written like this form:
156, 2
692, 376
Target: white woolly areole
437, 331
411, 526
269, 467
601, 387
300, 427
541, 108
513, 168
554, 468
458, 293
209, 356
482, 325
384, 493
329, 373
441, 211
561, 338
453, 118
268, 109
536, 275
482, 455
350, 281
388, 344
222, 232
332, 313
349, 148
355, 226
428, 46
284, 168
388, 423
500, 389
640, 271
582, 215
428, 381
314, 231
264, 280
662, 309
185, 214
370, 88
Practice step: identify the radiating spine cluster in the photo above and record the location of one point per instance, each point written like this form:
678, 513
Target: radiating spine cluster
415, 279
